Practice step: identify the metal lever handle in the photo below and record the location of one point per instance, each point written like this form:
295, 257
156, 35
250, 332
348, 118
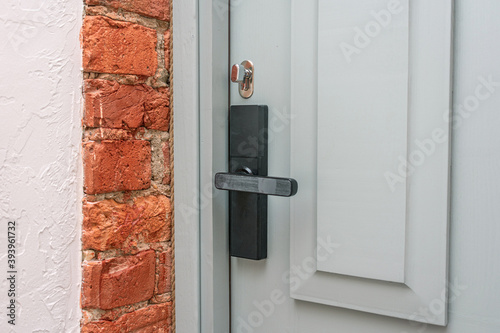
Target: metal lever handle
283, 187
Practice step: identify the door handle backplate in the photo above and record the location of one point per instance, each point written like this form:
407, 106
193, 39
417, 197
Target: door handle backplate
248, 183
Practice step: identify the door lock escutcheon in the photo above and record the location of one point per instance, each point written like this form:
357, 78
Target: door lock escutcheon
243, 75
248, 183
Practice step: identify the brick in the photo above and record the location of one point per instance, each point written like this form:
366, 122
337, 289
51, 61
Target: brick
166, 162
152, 319
159, 9
101, 326
159, 327
118, 281
91, 277
164, 283
127, 280
116, 166
111, 46
111, 225
109, 104
157, 114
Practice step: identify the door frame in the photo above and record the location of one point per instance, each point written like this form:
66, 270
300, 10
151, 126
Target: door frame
200, 104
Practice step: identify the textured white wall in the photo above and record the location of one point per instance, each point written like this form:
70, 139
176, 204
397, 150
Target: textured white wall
40, 177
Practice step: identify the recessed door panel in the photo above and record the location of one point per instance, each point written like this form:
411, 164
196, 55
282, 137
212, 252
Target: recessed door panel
362, 131
371, 232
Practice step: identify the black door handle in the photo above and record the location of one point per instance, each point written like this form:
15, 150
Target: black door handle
283, 187
248, 183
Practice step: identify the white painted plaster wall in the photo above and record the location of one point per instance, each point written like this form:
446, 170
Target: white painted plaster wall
40, 176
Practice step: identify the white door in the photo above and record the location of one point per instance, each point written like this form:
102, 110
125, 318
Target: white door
359, 94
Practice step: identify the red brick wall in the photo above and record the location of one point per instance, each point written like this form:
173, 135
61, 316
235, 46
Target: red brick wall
127, 243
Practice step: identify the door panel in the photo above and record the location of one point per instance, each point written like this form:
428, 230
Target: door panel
416, 241
362, 129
